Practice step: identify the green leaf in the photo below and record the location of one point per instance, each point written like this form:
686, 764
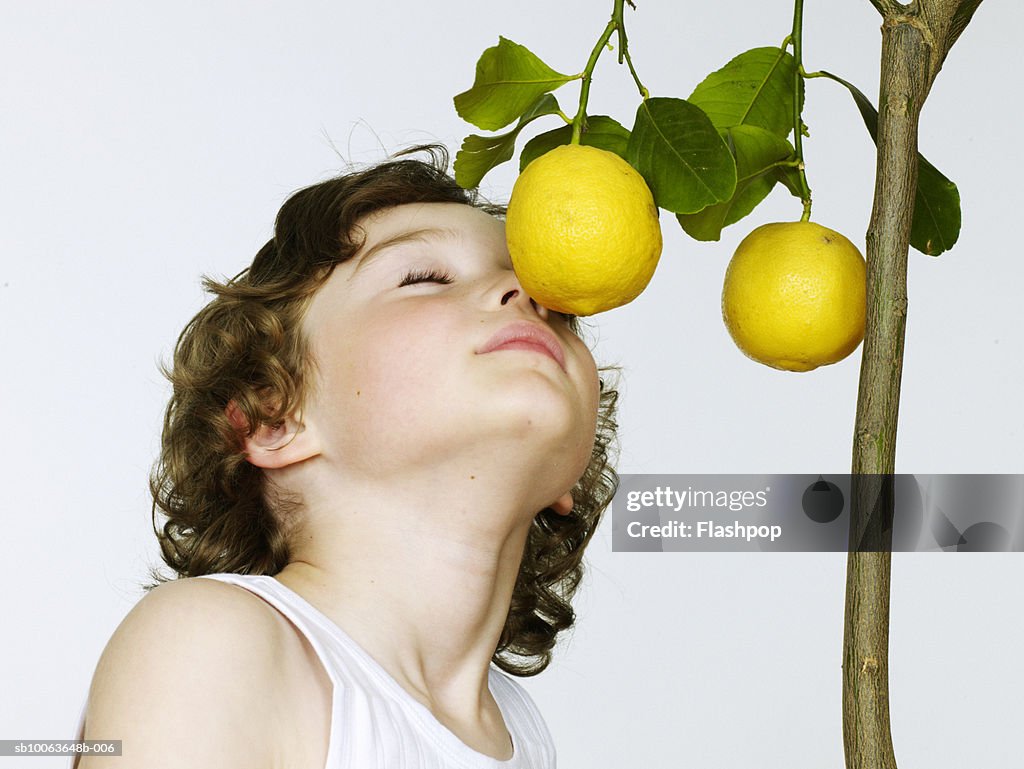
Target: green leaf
755, 88
509, 78
682, 157
602, 132
790, 178
757, 152
479, 154
936, 223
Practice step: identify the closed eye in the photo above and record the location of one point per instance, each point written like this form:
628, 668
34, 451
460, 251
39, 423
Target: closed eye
426, 276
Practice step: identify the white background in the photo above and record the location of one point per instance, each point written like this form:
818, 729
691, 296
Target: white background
144, 144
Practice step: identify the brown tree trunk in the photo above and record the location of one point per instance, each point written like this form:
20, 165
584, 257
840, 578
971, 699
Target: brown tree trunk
915, 41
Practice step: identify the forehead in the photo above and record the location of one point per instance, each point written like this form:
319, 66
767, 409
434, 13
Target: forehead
454, 220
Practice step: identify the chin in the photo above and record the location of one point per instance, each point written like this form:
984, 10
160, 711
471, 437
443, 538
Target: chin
554, 424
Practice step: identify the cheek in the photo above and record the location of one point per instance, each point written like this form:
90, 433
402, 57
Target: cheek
591, 398
394, 371
591, 388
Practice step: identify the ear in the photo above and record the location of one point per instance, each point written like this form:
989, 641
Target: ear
563, 505
274, 446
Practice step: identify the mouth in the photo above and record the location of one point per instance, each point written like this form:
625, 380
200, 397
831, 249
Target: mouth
523, 335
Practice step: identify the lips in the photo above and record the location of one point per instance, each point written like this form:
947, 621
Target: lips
523, 335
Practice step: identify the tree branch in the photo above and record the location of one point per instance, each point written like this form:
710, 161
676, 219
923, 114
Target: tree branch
946, 20
915, 41
889, 7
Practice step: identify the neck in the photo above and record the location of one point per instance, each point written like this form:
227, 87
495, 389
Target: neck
422, 582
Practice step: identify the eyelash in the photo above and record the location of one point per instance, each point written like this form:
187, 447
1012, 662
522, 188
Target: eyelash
426, 276
435, 276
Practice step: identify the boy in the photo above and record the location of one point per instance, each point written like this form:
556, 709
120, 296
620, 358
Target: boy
380, 466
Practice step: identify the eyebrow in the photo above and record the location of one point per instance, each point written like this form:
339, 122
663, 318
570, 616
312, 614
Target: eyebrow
422, 235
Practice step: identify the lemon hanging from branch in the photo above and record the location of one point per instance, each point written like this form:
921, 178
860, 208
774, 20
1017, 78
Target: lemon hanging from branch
794, 296
582, 230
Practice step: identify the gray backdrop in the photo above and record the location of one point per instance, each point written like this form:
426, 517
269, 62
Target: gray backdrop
142, 144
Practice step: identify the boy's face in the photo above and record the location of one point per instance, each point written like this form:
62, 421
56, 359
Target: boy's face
402, 336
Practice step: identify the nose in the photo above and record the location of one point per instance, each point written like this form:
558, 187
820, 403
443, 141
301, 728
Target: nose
514, 294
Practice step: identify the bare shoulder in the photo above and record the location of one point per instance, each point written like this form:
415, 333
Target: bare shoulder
190, 678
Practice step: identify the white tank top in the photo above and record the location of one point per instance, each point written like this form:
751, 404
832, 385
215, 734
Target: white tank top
375, 722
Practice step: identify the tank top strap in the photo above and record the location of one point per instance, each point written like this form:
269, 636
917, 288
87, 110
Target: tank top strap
370, 709
323, 637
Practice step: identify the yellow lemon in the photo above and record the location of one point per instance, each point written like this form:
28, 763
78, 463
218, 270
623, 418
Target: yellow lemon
794, 296
582, 230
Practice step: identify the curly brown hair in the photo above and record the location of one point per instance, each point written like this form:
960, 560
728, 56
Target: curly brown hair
222, 514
